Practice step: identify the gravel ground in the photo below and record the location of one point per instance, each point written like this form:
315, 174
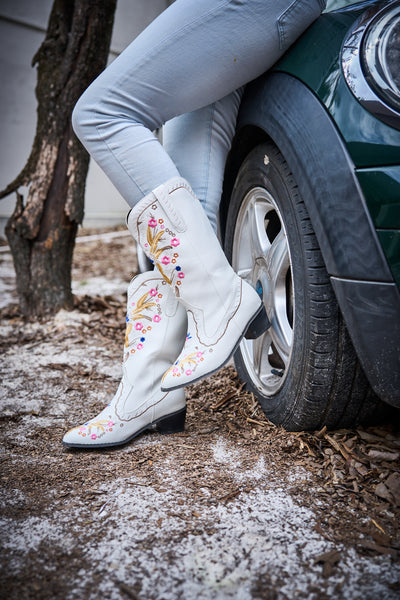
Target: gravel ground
234, 507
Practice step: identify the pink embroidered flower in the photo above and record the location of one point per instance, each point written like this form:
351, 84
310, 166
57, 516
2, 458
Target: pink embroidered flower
138, 326
139, 346
165, 260
110, 424
93, 436
188, 372
156, 318
199, 354
181, 275
152, 223
153, 292
82, 428
175, 242
175, 370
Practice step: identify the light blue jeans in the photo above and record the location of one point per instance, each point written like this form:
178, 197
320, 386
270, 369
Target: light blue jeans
186, 71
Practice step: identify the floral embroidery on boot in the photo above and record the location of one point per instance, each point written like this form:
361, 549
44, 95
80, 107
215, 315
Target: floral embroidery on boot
160, 243
143, 309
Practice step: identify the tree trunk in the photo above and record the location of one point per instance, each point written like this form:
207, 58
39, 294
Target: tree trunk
41, 232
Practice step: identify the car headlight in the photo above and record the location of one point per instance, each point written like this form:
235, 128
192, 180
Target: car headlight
381, 56
371, 61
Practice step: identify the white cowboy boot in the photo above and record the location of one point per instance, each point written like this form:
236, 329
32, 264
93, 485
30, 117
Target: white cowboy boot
155, 334
172, 228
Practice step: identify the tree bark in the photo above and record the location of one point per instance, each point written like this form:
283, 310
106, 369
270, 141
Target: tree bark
41, 231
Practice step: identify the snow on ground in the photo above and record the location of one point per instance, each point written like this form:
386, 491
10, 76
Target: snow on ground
211, 514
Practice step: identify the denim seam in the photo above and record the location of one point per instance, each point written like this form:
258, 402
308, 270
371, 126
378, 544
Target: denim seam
286, 13
207, 170
281, 27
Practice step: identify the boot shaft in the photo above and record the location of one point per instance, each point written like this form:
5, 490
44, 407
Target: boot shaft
156, 327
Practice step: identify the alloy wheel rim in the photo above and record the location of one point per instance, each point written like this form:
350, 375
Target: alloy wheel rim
261, 256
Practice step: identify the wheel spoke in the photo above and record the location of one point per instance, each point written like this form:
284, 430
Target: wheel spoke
282, 342
260, 347
279, 258
279, 263
261, 256
257, 355
243, 256
258, 236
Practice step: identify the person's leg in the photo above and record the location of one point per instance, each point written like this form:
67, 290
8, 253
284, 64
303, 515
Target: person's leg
195, 53
198, 143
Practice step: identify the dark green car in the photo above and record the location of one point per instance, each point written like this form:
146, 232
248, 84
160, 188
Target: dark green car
311, 217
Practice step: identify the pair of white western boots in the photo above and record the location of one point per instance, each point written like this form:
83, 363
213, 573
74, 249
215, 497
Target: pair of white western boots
184, 319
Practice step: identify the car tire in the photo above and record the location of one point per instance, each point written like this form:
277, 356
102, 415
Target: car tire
304, 369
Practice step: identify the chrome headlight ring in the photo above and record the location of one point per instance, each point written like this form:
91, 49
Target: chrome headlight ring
371, 61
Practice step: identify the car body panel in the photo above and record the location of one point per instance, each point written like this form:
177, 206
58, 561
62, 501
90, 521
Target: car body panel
390, 240
370, 141
381, 187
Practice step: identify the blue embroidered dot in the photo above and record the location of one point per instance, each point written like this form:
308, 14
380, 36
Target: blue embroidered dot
142, 339
127, 318
178, 268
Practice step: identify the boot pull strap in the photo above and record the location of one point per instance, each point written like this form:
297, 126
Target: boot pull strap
162, 194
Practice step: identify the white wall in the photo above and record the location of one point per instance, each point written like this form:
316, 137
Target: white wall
22, 28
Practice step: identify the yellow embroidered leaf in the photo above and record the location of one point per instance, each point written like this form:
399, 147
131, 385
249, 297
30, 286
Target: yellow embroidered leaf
141, 316
98, 424
155, 241
128, 330
167, 279
142, 300
189, 361
136, 314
